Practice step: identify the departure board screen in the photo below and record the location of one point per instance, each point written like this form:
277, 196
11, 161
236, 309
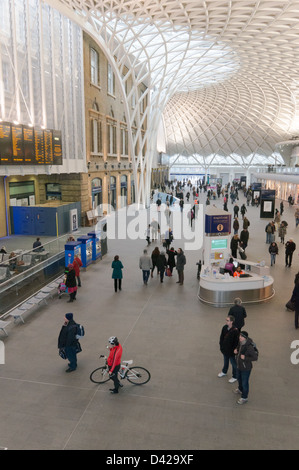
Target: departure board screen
39, 146
17, 144
20, 144
28, 145
5, 143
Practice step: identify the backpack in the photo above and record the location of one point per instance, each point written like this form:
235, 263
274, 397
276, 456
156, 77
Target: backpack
80, 331
255, 349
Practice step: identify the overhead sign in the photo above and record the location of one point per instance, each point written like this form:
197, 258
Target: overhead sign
24, 145
218, 224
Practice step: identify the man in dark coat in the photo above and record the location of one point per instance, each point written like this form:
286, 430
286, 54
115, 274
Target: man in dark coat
180, 264
229, 340
244, 237
67, 340
239, 313
290, 247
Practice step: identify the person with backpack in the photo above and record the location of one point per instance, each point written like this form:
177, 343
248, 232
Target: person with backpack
228, 342
246, 352
68, 341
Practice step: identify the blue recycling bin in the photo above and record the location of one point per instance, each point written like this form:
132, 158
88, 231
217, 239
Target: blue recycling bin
96, 245
86, 250
71, 249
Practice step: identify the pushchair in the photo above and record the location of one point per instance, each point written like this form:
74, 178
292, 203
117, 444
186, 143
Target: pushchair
62, 289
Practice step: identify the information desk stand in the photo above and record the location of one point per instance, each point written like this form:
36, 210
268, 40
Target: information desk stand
220, 290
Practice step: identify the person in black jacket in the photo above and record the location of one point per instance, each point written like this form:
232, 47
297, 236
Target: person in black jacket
239, 313
290, 247
67, 340
244, 237
234, 244
161, 264
295, 300
71, 282
171, 259
245, 355
228, 341
273, 250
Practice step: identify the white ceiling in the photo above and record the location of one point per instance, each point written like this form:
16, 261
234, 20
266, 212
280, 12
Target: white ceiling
228, 69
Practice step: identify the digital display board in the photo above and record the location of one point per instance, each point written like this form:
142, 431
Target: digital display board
219, 244
24, 145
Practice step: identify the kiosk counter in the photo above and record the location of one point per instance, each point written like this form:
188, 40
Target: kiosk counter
219, 289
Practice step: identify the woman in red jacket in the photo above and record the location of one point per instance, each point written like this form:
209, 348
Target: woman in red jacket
114, 361
77, 263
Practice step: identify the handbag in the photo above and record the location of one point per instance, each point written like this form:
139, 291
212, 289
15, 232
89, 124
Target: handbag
168, 271
290, 306
78, 347
62, 353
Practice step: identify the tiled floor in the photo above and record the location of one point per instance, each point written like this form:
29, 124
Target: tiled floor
165, 328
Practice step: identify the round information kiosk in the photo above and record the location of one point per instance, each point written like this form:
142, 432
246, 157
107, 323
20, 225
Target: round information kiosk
219, 286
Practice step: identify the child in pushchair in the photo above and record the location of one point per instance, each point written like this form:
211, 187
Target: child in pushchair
62, 289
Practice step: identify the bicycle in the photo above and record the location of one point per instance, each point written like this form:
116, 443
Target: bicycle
135, 375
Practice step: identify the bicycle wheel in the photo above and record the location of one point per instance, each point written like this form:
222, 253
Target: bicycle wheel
138, 375
100, 375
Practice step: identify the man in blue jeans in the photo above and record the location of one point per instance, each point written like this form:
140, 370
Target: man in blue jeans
228, 342
246, 353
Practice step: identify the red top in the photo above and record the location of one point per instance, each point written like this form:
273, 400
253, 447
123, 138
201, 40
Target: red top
114, 358
77, 263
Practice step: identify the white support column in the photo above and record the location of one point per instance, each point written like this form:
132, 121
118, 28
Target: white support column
14, 62
42, 70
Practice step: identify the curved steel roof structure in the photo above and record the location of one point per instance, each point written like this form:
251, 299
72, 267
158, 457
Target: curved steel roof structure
223, 75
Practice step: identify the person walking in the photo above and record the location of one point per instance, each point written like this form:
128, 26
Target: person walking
244, 237
236, 225
269, 231
238, 312
290, 247
245, 355
228, 342
145, 263
117, 273
148, 235
68, 342
71, 283
168, 238
236, 210
282, 231
273, 250
77, 263
234, 244
295, 300
180, 264
246, 223
243, 210
161, 264
281, 207
297, 217
154, 257
114, 361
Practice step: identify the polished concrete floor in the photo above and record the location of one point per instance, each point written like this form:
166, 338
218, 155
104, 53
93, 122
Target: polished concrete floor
165, 328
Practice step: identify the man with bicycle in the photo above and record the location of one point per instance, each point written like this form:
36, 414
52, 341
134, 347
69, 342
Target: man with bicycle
114, 361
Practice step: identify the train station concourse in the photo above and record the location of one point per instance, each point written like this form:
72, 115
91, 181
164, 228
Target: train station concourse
130, 126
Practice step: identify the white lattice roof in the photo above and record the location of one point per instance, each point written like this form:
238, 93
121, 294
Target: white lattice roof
225, 72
